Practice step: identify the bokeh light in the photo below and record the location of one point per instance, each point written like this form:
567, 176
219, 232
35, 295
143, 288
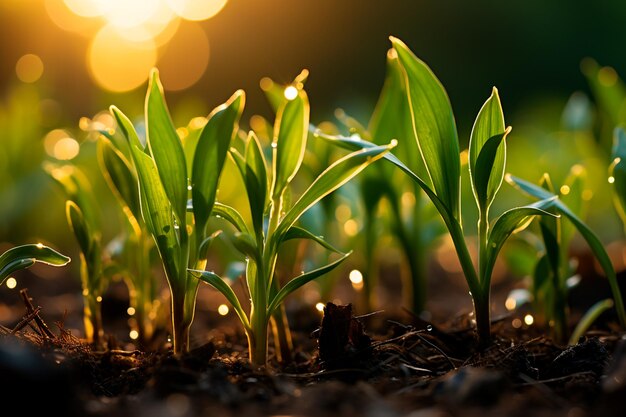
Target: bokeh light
11, 283
184, 58
223, 309
117, 64
29, 68
196, 9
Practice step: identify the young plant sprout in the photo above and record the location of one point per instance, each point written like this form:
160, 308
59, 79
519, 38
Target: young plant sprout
434, 131
130, 253
274, 219
25, 256
85, 224
182, 238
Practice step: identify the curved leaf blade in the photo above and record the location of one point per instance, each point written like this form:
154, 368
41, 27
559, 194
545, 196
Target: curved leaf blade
328, 181
617, 171
300, 280
166, 148
256, 181
433, 126
487, 156
219, 284
290, 134
24, 256
296, 232
210, 155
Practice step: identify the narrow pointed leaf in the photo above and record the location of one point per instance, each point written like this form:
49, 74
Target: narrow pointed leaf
79, 227
219, 284
228, 213
296, 232
126, 126
245, 244
592, 240
206, 244
300, 280
119, 175
240, 162
291, 130
486, 155
210, 155
166, 148
256, 181
328, 181
24, 256
433, 126
510, 222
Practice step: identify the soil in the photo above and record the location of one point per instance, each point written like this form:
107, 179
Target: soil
374, 365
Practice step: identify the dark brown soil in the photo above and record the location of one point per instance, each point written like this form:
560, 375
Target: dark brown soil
373, 366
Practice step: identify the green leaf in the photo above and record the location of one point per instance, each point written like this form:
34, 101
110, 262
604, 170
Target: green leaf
81, 230
166, 148
256, 181
290, 134
157, 213
127, 128
433, 126
246, 244
571, 194
617, 171
592, 240
587, 320
231, 215
487, 156
219, 284
210, 155
118, 173
511, 221
328, 181
300, 280
206, 244
24, 256
296, 232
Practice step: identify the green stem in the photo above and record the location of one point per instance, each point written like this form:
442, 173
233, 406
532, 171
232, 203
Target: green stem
282, 335
92, 318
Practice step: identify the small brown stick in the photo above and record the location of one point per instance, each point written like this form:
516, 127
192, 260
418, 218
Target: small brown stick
27, 319
30, 308
4, 330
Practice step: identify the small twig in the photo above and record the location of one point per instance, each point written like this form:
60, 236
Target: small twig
27, 319
438, 349
324, 373
5, 330
557, 379
362, 316
30, 308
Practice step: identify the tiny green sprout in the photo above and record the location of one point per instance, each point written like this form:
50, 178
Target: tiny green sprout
273, 219
130, 252
165, 173
25, 256
85, 224
434, 131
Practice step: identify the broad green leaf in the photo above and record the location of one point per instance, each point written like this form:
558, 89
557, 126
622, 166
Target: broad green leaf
592, 240
511, 221
290, 134
256, 181
119, 175
483, 174
617, 171
219, 284
433, 126
487, 156
296, 232
127, 128
24, 256
245, 244
166, 148
81, 230
240, 162
157, 213
392, 118
300, 280
210, 155
328, 181
231, 215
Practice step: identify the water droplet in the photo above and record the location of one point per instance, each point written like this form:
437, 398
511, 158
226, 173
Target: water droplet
217, 216
176, 227
429, 328
274, 144
189, 187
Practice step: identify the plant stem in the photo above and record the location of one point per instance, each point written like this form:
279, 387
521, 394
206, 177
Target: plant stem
282, 336
92, 318
482, 313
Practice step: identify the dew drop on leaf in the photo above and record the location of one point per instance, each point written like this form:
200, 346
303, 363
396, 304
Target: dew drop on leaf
429, 328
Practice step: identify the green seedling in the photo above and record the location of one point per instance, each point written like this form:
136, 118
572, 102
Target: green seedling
131, 252
593, 241
554, 267
84, 223
617, 173
166, 176
25, 256
273, 218
434, 131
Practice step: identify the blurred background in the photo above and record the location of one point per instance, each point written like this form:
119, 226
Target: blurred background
65, 61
